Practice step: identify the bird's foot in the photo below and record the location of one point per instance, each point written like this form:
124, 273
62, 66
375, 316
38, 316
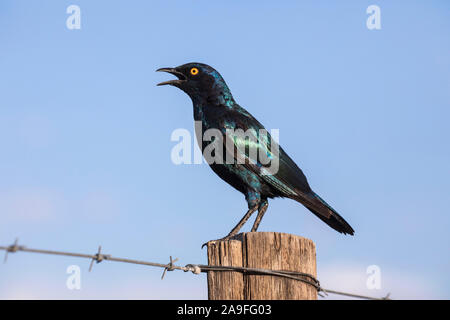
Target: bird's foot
228, 237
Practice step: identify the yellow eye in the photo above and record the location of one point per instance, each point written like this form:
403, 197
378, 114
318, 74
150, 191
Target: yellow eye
194, 71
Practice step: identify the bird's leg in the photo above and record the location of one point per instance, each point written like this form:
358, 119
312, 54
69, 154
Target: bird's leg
242, 222
238, 227
261, 210
253, 200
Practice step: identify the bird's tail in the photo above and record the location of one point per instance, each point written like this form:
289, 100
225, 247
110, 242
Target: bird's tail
326, 213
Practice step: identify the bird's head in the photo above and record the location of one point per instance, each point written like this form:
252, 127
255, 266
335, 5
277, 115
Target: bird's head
200, 81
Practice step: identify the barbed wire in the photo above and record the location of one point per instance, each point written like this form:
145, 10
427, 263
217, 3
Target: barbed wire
194, 268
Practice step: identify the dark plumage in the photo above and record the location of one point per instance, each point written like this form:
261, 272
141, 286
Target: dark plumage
215, 107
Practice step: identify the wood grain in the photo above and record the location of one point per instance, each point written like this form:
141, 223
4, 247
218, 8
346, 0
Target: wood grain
266, 250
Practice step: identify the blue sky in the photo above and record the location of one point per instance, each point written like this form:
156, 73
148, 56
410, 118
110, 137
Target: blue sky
85, 139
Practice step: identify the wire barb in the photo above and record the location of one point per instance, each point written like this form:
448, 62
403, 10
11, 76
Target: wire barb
98, 257
170, 267
12, 248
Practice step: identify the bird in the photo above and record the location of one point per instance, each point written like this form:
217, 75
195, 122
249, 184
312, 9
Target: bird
215, 108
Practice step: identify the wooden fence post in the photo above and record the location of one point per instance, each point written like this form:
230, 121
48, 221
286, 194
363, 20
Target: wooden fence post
265, 250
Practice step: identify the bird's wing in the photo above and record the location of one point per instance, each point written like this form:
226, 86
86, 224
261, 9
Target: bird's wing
256, 147
288, 179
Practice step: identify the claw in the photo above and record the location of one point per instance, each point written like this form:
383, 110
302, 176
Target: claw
221, 239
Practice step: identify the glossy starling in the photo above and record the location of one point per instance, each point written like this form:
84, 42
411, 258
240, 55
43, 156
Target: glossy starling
215, 108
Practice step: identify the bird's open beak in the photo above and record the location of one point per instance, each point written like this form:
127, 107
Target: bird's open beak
181, 77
